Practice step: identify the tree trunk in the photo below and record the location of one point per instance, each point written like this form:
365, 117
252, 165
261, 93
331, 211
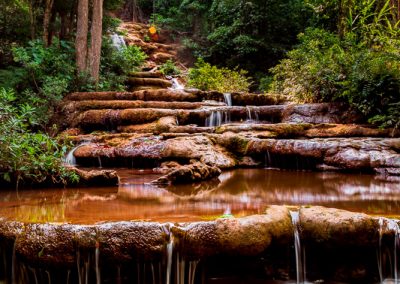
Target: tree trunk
137, 15
71, 20
32, 19
46, 21
82, 35
64, 25
95, 43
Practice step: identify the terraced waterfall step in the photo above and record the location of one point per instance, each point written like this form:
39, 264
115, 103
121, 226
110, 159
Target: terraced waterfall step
262, 243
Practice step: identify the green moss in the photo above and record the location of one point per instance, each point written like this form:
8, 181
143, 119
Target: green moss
238, 145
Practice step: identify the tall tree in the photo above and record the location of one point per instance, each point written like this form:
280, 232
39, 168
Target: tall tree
46, 21
82, 35
96, 38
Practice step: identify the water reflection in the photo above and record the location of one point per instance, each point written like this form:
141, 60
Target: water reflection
242, 192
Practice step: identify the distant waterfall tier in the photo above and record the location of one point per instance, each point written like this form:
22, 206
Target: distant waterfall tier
176, 85
217, 118
118, 41
228, 99
252, 114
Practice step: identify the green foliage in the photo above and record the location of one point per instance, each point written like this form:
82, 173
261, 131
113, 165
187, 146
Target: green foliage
14, 27
313, 72
117, 64
360, 66
50, 70
169, 68
207, 77
265, 83
26, 156
251, 34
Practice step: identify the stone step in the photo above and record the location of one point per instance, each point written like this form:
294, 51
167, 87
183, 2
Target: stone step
153, 82
230, 150
144, 95
146, 74
190, 95
296, 130
79, 106
110, 119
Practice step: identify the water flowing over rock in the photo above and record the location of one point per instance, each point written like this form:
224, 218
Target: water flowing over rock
59, 248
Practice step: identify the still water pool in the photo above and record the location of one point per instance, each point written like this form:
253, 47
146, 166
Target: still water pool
239, 192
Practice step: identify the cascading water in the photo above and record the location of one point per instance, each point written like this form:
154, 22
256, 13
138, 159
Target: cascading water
252, 114
70, 158
118, 41
228, 99
390, 226
176, 85
97, 260
300, 262
170, 251
267, 160
217, 118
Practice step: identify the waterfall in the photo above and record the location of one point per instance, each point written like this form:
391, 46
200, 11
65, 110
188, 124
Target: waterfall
390, 226
394, 226
228, 99
379, 256
267, 160
118, 41
217, 118
100, 163
176, 85
300, 264
170, 251
70, 158
192, 271
97, 258
14, 263
252, 114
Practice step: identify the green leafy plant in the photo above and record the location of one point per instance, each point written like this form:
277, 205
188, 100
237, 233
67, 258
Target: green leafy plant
207, 77
359, 65
169, 68
26, 156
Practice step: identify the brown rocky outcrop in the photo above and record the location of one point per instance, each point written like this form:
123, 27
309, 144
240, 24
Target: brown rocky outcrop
96, 177
151, 82
246, 236
189, 173
335, 227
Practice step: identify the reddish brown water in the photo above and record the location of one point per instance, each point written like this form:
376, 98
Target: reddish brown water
239, 192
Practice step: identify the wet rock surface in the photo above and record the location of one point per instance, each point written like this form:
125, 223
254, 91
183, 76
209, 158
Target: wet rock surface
245, 236
351, 240
189, 173
96, 177
335, 227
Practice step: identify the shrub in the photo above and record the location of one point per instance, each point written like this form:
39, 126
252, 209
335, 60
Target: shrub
326, 68
169, 68
26, 156
359, 65
206, 77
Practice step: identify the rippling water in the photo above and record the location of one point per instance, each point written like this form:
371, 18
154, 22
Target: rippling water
239, 192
